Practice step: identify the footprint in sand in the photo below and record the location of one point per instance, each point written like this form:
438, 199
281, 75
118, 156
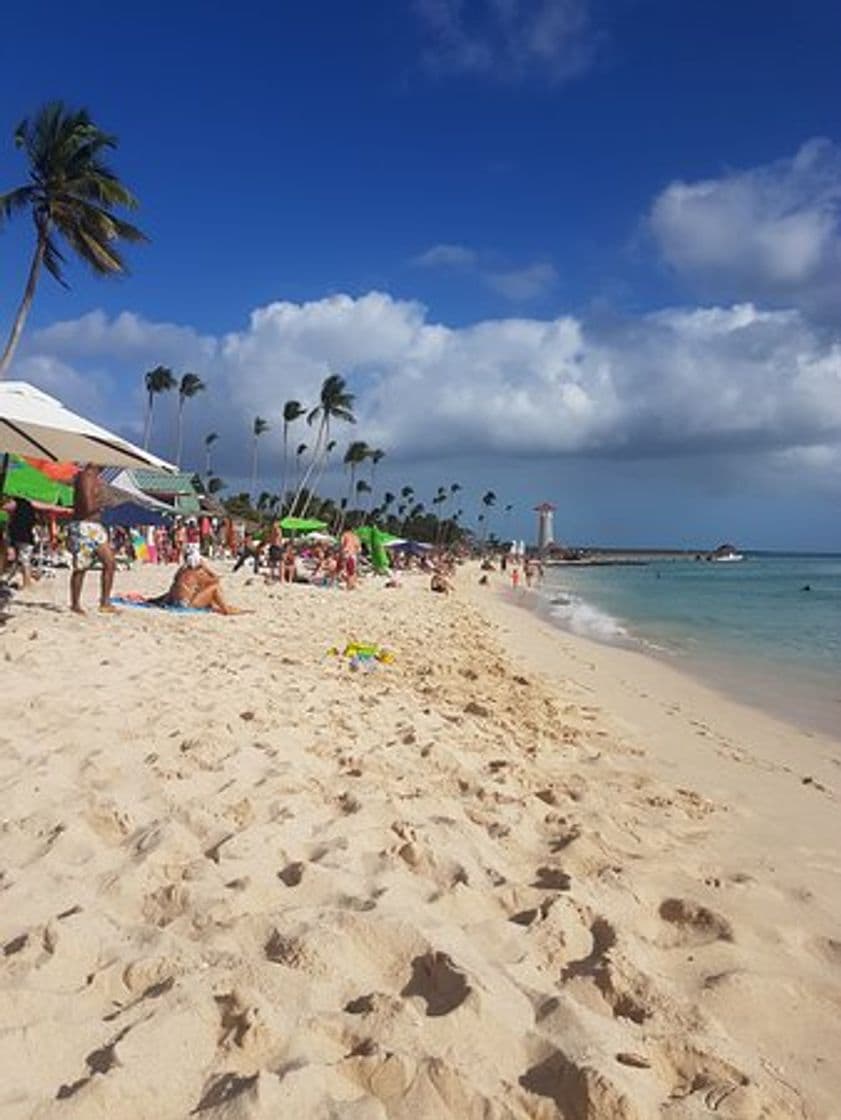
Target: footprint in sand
439, 982
693, 924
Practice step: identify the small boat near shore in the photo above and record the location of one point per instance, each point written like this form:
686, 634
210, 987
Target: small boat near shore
726, 554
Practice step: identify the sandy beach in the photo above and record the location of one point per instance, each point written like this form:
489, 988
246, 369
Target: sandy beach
511, 874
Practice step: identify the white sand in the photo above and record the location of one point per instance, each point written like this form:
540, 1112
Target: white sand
511, 875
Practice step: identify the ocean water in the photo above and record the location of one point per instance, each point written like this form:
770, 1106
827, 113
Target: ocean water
749, 627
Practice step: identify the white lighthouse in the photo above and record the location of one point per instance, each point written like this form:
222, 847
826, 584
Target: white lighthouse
545, 525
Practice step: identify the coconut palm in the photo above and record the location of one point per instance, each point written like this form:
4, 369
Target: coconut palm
335, 403
191, 385
71, 194
376, 455
329, 448
209, 441
488, 501
357, 453
258, 428
161, 379
299, 451
292, 411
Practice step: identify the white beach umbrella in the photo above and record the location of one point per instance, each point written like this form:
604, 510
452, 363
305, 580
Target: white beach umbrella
33, 423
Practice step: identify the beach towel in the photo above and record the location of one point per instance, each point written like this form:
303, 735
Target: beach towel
142, 603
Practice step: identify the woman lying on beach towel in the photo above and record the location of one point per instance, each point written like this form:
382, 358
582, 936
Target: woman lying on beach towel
197, 586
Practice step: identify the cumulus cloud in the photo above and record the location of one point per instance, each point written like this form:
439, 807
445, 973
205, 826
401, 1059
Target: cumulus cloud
508, 39
735, 380
771, 233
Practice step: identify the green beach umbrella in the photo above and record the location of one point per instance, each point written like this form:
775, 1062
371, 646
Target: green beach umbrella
302, 525
25, 481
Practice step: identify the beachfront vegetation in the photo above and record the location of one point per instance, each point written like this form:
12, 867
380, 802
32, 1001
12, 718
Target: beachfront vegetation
161, 379
335, 403
71, 196
292, 411
258, 428
209, 441
190, 386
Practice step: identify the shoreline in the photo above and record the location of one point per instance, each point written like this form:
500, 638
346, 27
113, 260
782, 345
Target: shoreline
805, 698
510, 874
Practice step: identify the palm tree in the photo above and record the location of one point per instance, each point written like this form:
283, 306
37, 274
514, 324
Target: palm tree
329, 448
209, 441
161, 379
357, 453
71, 193
258, 428
488, 500
299, 451
214, 485
335, 403
191, 385
362, 487
292, 411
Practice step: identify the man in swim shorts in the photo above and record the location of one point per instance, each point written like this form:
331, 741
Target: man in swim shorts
87, 539
349, 554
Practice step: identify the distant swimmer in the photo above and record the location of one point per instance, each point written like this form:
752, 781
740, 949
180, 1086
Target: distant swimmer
806, 587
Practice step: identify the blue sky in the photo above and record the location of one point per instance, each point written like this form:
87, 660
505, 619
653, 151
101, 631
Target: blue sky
603, 186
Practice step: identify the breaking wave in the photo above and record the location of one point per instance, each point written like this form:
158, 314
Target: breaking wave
582, 618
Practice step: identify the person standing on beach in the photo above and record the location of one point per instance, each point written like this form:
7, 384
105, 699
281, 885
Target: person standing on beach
349, 554
88, 539
22, 520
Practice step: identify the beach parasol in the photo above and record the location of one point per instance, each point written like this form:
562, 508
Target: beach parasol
33, 423
25, 481
302, 525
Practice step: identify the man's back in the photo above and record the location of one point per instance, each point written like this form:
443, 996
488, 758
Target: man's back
86, 496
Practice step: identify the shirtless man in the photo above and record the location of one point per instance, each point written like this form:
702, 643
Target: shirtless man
88, 540
349, 555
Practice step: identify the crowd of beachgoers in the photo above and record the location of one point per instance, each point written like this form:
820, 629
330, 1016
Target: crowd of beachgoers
38, 545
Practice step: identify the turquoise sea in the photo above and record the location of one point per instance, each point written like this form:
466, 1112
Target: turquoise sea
749, 627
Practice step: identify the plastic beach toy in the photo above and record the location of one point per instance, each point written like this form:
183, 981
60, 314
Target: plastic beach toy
362, 655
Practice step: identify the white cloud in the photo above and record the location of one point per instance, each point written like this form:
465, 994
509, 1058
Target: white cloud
678, 382
771, 232
520, 284
508, 39
447, 256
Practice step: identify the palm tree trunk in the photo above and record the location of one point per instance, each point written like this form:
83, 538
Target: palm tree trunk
308, 472
147, 430
349, 497
253, 468
207, 462
322, 466
283, 474
179, 433
25, 303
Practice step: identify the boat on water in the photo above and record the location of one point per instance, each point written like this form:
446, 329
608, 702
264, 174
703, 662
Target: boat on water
726, 554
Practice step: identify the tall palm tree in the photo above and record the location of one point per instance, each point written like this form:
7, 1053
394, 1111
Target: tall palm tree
488, 501
329, 448
356, 454
335, 403
191, 385
292, 411
258, 428
161, 379
362, 487
71, 194
209, 441
299, 451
